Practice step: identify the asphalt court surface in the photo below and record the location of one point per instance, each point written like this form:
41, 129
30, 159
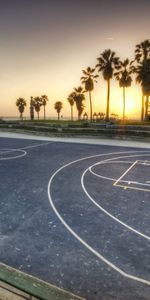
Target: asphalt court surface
77, 216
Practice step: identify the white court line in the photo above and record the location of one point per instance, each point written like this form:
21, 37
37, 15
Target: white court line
24, 153
125, 187
22, 148
38, 145
109, 178
5, 151
104, 210
115, 179
135, 182
75, 234
119, 179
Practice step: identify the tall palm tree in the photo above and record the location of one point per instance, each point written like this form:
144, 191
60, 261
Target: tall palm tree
124, 77
21, 103
108, 62
142, 53
58, 106
31, 108
89, 80
44, 100
79, 97
37, 103
71, 102
143, 77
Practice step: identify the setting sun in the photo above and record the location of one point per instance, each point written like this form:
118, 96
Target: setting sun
130, 106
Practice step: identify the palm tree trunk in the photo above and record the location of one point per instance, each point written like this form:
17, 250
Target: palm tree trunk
44, 112
31, 112
21, 116
146, 108
38, 115
91, 112
58, 116
142, 108
108, 99
71, 113
124, 98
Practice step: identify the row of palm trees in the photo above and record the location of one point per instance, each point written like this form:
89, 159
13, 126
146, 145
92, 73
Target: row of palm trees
111, 66
35, 104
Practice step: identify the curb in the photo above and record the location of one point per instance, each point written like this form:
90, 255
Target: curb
34, 286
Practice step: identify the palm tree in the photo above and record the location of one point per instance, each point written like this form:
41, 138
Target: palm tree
44, 100
95, 116
71, 102
21, 103
31, 108
37, 103
143, 77
124, 78
142, 53
79, 98
101, 116
85, 116
58, 106
88, 80
107, 63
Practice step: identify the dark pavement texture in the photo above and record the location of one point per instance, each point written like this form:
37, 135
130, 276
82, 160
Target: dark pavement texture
33, 239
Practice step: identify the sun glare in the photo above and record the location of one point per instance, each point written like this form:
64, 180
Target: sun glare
130, 106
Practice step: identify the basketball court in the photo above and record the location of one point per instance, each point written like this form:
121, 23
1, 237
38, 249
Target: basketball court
77, 216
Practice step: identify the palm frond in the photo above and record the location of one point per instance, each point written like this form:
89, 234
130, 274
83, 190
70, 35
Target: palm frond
100, 60
93, 70
116, 73
85, 72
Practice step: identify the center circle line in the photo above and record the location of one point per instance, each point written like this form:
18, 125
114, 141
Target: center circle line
104, 210
92, 250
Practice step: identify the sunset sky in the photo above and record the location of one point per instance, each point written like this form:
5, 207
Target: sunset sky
45, 45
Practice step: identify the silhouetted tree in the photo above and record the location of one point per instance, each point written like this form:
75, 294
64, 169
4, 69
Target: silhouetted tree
107, 64
88, 81
142, 54
114, 117
31, 108
71, 102
21, 103
37, 103
95, 116
142, 51
58, 106
124, 78
79, 97
143, 77
85, 116
44, 100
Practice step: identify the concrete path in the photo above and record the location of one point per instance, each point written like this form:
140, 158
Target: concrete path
83, 140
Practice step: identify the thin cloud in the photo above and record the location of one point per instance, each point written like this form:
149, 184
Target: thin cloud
110, 38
